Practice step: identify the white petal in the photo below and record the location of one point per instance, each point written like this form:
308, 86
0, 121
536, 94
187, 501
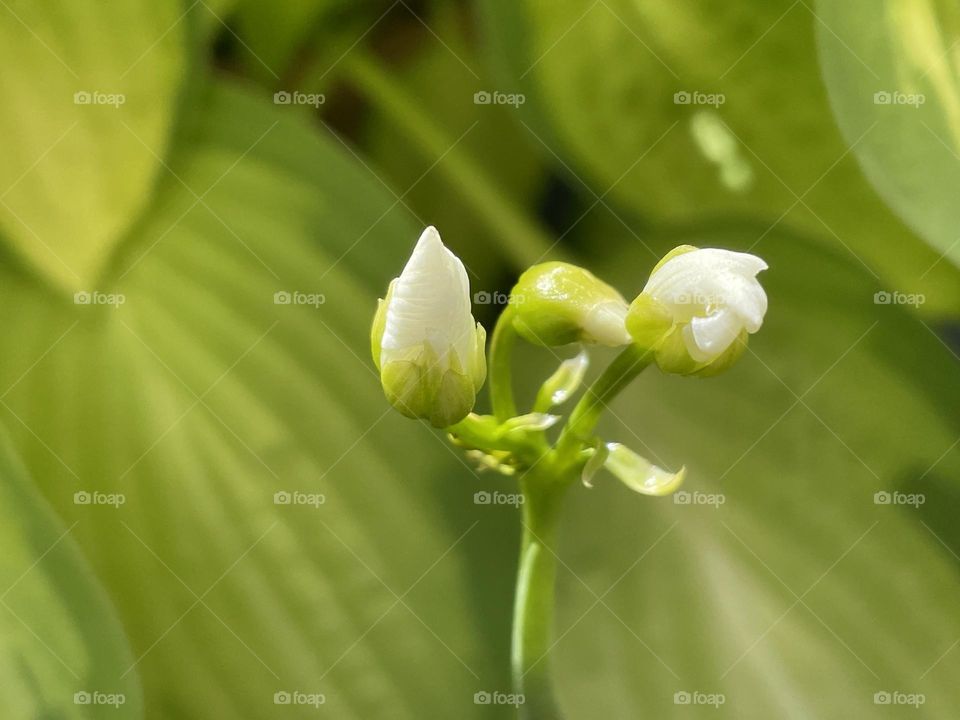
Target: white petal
707, 337
750, 304
430, 304
700, 282
607, 324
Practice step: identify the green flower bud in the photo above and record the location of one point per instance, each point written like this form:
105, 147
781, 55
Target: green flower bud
557, 303
425, 342
698, 308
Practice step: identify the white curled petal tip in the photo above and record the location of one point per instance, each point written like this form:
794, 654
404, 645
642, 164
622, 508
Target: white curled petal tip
639, 474
708, 337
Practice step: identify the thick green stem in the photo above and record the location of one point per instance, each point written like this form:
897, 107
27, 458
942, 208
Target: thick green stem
501, 381
583, 420
534, 601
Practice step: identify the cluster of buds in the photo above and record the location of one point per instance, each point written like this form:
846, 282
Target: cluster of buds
693, 317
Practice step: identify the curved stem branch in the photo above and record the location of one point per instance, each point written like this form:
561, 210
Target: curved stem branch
501, 380
583, 420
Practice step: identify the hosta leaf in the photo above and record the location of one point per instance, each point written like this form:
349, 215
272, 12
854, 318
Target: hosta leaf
892, 66
236, 367
621, 91
89, 95
493, 145
63, 653
777, 577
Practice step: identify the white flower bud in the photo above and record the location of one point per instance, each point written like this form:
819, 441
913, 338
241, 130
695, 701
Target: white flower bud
697, 309
425, 342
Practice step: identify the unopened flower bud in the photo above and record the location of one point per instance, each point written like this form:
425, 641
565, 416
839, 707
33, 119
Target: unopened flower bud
557, 303
425, 342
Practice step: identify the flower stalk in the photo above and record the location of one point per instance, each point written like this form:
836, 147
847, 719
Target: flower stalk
533, 609
692, 318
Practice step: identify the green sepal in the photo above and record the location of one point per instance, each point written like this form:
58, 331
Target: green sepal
639, 474
380, 324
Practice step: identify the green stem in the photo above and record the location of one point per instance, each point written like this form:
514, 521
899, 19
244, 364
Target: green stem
501, 381
583, 420
520, 240
533, 608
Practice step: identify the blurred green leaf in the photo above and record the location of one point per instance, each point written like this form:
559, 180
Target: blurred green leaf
62, 642
89, 94
780, 573
891, 68
275, 32
290, 40
204, 393
440, 82
620, 92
